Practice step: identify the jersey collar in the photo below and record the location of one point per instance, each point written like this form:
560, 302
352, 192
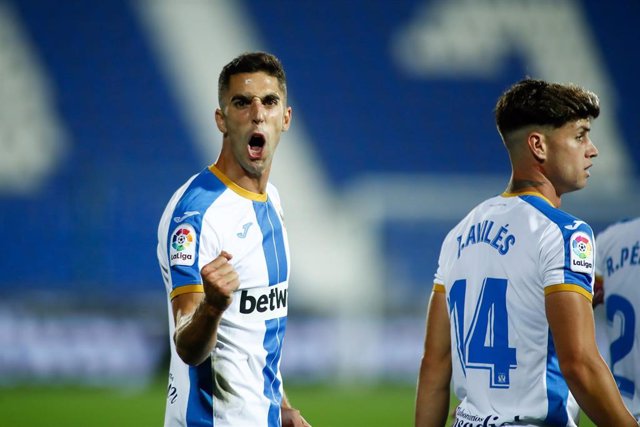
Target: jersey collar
527, 193
257, 197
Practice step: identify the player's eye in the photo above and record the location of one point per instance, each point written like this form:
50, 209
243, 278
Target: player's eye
270, 100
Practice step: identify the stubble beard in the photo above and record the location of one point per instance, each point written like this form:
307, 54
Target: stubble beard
254, 168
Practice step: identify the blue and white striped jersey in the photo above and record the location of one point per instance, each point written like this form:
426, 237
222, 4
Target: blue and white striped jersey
241, 384
496, 266
618, 265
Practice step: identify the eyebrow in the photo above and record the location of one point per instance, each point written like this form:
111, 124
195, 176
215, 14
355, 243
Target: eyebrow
249, 97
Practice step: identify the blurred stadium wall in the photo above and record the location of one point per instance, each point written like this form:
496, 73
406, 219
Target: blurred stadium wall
107, 107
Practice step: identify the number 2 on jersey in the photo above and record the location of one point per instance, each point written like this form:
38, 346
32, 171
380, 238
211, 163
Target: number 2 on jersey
622, 346
485, 345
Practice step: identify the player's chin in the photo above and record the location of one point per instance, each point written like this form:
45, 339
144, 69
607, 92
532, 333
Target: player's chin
583, 182
573, 187
580, 185
254, 168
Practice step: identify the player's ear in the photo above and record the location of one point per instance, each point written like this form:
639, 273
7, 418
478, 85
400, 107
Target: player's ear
286, 119
537, 145
222, 126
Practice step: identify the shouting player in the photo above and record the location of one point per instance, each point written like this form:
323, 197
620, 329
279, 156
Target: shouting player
224, 256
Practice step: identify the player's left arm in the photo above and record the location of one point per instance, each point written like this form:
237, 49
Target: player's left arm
432, 400
291, 417
571, 322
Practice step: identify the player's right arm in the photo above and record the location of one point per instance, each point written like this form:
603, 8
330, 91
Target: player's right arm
432, 401
571, 321
197, 315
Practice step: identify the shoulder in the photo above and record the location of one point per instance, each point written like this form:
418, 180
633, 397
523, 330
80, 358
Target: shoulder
198, 194
622, 226
556, 215
616, 232
577, 235
560, 220
561, 235
190, 202
176, 198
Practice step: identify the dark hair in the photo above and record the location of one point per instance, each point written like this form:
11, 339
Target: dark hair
536, 102
252, 62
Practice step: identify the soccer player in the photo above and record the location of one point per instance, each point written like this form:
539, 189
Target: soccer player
224, 257
618, 274
510, 315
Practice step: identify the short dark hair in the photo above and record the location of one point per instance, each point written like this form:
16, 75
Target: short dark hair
537, 102
252, 62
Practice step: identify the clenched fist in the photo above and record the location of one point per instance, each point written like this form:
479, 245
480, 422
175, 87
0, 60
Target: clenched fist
220, 281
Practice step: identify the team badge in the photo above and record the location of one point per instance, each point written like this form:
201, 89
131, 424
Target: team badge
581, 248
182, 250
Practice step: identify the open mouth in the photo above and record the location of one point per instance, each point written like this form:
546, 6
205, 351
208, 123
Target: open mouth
256, 146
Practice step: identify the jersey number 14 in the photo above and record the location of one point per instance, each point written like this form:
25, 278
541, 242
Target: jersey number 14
485, 345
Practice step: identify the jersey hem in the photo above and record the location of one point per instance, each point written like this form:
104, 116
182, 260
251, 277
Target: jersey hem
186, 290
438, 287
563, 287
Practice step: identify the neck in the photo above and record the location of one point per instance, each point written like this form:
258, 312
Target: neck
544, 187
242, 178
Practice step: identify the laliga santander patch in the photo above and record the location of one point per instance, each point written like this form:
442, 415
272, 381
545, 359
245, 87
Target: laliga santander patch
581, 252
182, 246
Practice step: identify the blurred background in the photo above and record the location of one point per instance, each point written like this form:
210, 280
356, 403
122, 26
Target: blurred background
106, 108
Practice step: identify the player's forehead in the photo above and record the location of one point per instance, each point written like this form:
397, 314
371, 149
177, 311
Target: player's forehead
253, 84
577, 125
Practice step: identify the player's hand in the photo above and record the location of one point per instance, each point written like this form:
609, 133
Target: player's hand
220, 281
292, 418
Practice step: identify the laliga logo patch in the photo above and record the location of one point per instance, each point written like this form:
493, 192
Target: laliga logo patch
582, 247
581, 252
183, 245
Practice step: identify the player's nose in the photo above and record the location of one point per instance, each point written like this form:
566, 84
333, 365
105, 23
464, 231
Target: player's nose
592, 150
257, 110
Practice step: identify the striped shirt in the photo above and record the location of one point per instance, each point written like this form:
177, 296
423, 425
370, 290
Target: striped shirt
496, 266
240, 384
618, 265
